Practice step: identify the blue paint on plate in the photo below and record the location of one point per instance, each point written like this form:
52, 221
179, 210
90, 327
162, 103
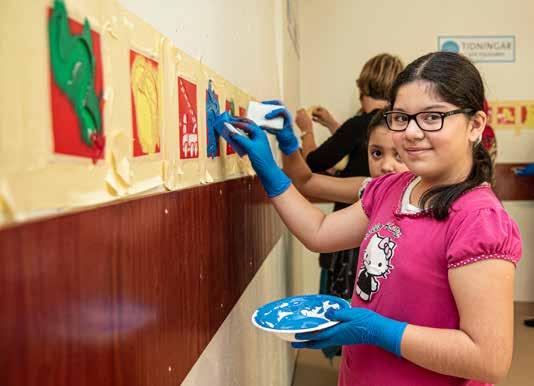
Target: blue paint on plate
298, 312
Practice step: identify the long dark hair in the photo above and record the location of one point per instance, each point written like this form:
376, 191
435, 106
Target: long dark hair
457, 81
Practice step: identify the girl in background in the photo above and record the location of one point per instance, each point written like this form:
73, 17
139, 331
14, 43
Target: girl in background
374, 86
382, 158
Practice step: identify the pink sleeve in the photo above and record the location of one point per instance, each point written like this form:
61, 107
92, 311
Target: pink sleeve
375, 190
484, 234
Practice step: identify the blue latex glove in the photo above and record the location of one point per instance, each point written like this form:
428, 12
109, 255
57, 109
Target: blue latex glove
256, 145
525, 171
287, 141
358, 326
223, 130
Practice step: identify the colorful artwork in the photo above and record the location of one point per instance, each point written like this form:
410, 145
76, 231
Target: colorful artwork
212, 112
75, 86
511, 114
187, 119
527, 115
505, 115
230, 107
144, 81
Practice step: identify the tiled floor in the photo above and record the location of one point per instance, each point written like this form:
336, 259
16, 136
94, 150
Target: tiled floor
313, 369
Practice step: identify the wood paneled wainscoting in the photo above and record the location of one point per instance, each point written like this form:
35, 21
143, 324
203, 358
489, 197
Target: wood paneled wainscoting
129, 293
509, 187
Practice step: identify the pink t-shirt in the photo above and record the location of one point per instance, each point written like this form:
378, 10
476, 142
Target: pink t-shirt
402, 271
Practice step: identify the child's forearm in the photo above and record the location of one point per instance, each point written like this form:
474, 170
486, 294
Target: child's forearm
454, 352
296, 169
320, 186
319, 232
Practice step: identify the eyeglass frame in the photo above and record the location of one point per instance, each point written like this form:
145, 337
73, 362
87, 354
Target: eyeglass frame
411, 117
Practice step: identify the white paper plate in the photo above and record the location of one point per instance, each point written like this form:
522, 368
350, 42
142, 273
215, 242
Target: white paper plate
297, 314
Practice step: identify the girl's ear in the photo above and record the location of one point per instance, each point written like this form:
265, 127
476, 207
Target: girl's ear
477, 126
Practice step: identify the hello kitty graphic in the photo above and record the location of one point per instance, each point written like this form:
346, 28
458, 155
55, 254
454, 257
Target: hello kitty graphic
376, 263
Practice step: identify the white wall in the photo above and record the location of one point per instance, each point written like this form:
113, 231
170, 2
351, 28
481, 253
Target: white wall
240, 354
305, 264
236, 39
339, 36
523, 213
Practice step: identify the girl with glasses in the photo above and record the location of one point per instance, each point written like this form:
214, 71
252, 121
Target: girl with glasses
433, 301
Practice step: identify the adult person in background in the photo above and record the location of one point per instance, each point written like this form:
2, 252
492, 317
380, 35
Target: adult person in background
349, 139
374, 85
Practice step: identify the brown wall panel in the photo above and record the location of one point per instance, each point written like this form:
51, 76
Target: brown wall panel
510, 187
128, 294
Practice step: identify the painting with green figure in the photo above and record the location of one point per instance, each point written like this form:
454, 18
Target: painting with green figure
73, 68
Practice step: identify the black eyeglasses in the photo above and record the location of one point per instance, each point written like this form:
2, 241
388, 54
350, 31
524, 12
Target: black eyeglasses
426, 120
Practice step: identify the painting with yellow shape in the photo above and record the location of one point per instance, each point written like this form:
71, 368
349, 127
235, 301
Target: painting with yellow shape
146, 109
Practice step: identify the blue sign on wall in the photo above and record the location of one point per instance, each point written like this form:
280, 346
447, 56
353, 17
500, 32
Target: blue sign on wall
489, 49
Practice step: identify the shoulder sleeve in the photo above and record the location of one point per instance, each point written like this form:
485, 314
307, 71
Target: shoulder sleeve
364, 184
378, 188
482, 234
341, 143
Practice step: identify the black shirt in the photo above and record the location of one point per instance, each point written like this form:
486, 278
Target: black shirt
349, 139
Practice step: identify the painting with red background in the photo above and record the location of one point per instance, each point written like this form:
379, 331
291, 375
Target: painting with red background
187, 119
65, 125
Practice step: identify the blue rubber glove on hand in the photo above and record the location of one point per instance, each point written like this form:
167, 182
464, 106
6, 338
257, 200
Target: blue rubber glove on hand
287, 141
256, 145
357, 326
525, 171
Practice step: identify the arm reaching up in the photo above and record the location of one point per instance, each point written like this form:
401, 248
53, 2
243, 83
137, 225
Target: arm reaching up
324, 117
340, 230
310, 184
305, 124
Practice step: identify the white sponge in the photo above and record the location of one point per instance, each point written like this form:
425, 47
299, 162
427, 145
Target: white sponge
256, 111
